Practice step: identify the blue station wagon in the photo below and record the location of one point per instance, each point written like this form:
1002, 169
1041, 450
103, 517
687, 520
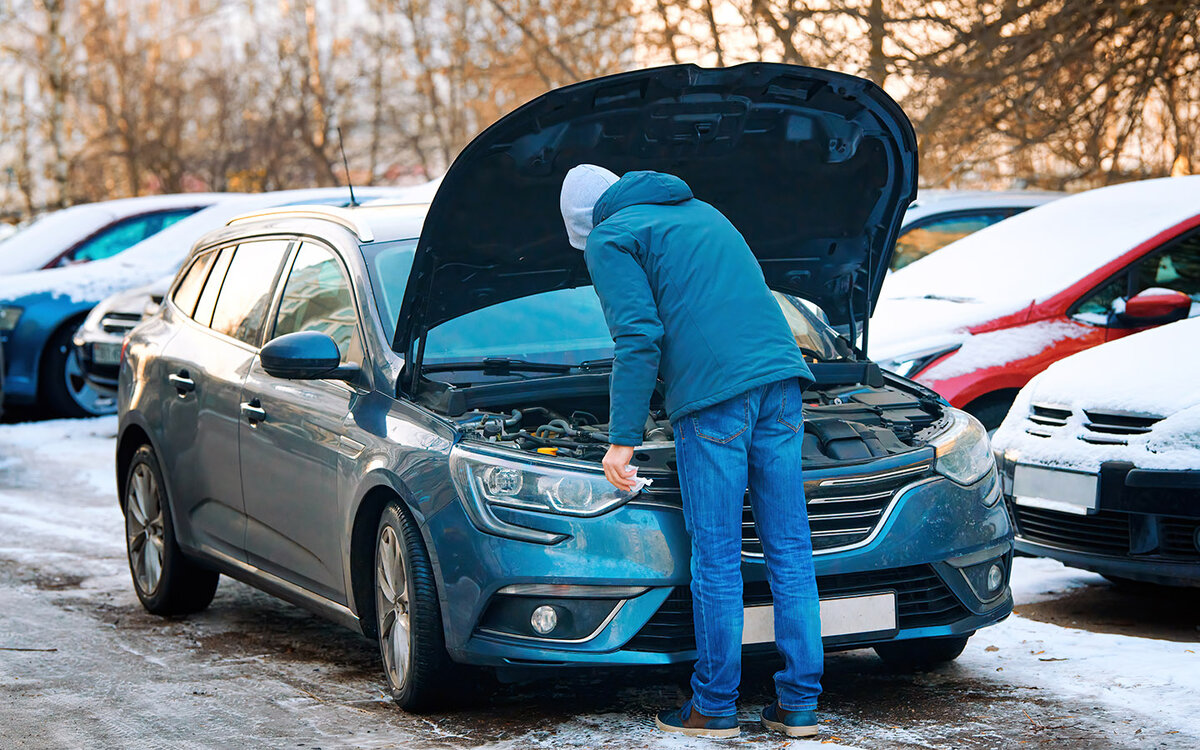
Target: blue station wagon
394, 414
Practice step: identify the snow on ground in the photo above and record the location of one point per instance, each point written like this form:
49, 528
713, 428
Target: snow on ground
255, 671
1153, 678
1167, 360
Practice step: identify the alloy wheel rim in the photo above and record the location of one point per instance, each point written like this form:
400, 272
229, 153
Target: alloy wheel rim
83, 394
144, 532
392, 608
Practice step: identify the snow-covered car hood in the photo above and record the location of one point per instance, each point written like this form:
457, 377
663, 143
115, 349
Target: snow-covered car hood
1022, 261
161, 255
44, 240
1146, 386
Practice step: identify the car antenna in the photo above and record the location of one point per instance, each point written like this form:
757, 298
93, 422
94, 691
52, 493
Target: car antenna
346, 164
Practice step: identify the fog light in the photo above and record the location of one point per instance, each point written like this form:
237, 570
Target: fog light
995, 577
544, 620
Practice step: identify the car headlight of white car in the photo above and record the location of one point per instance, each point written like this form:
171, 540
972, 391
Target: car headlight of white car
508, 482
908, 365
10, 315
964, 453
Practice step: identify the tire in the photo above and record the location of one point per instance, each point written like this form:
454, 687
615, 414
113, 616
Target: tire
165, 580
61, 384
415, 663
920, 654
991, 409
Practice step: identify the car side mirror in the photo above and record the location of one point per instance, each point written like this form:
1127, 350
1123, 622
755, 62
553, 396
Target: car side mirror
305, 355
1152, 307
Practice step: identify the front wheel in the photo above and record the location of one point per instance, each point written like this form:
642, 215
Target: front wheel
63, 383
408, 618
920, 654
166, 582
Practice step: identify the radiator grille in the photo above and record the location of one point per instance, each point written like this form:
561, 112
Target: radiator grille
1102, 533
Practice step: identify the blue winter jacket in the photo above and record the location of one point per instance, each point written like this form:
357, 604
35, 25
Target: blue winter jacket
682, 294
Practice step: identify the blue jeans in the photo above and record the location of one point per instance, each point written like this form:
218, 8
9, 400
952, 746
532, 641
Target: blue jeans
752, 440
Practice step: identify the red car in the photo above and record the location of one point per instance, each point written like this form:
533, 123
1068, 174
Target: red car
979, 318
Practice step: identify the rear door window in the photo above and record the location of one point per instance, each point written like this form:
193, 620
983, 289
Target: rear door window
188, 291
317, 297
246, 294
212, 287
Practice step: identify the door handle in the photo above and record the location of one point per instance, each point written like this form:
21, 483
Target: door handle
253, 411
182, 382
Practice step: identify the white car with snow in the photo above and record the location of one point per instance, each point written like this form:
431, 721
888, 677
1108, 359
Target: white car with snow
938, 217
1100, 459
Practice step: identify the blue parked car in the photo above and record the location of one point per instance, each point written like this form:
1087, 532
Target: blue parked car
44, 292
395, 415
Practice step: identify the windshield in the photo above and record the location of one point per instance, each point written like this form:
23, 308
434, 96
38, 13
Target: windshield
561, 327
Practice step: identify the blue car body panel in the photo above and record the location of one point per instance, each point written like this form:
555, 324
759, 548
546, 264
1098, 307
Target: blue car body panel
43, 315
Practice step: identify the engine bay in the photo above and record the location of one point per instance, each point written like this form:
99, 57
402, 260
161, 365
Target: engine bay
843, 422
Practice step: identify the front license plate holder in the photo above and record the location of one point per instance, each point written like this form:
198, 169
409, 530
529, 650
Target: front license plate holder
1055, 489
841, 616
106, 354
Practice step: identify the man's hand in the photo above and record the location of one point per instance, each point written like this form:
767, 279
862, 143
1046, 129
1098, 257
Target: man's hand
615, 463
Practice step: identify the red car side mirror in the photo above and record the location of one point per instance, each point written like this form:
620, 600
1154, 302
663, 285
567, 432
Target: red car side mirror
1155, 307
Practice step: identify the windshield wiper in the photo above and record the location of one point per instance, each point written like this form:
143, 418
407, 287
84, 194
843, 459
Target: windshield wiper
498, 366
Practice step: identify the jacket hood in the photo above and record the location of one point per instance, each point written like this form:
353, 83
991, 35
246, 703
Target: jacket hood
814, 168
581, 190
640, 188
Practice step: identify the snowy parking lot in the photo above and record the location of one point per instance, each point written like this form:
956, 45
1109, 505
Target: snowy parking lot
1082, 664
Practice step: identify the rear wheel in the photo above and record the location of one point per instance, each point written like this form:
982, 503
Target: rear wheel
62, 383
166, 582
920, 654
409, 621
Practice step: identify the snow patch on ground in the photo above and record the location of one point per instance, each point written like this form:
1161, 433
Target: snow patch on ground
1037, 579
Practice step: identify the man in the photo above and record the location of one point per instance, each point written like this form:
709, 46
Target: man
683, 295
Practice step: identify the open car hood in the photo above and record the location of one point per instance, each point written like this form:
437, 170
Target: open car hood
815, 168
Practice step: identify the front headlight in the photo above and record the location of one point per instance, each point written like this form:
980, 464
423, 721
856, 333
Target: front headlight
494, 480
10, 315
964, 454
909, 365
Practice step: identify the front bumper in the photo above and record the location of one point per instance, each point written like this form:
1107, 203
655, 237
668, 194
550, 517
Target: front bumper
100, 375
1145, 527
934, 531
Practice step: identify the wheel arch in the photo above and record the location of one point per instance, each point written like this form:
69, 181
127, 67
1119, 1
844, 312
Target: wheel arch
380, 491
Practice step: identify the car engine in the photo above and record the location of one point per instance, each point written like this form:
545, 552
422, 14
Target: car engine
842, 423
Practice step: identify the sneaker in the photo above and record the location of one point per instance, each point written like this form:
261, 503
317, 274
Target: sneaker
791, 723
688, 721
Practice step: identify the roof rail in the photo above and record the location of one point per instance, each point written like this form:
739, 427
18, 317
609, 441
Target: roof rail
334, 214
